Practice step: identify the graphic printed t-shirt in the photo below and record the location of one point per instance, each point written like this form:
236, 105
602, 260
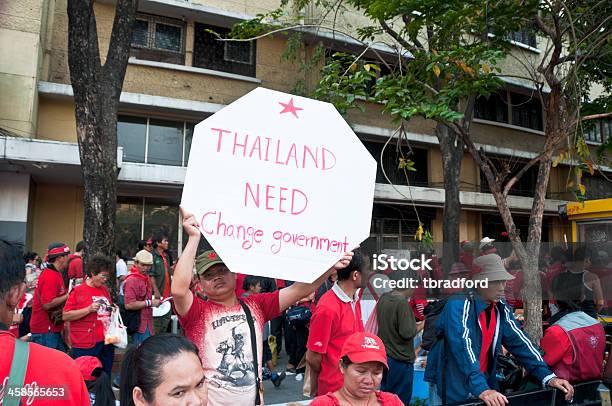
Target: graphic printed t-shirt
47, 368
89, 330
50, 285
223, 338
335, 318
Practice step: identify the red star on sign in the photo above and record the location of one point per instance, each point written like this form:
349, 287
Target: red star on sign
290, 108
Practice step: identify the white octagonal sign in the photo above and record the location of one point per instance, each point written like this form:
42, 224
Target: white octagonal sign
280, 185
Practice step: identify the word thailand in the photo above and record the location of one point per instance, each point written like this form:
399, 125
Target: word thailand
212, 223
274, 151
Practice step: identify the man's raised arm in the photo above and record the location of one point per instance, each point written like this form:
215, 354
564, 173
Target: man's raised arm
183, 273
288, 296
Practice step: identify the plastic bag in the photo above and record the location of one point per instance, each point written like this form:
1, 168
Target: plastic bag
116, 333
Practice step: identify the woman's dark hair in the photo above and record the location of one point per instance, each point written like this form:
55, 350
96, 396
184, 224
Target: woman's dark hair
557, 254
101, 389
29, 256
345, 362
80, 246
250, 281
141, 245
141, 365
567, 291
12, 266
358, 263
100, 263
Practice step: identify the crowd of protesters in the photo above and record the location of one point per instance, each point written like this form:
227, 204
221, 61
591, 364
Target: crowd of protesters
233, 327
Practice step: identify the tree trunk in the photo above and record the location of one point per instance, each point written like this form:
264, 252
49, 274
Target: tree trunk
451, 148
97, 89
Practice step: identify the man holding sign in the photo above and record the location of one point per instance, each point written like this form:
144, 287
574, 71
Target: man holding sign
221, 327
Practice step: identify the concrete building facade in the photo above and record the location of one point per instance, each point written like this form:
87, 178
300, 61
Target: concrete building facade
177, 76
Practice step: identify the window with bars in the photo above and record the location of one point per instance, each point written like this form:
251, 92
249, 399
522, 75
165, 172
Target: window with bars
524, 110
225, 56
154, 141
391, 164
526, 36
158, 39
492, 108
599, 131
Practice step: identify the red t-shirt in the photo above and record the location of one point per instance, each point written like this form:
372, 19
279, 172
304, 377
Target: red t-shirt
138, 289
488, 332
239, 281
86, 332
333, 321
75, 267
223, 338
50, 285
49, 369
384, 398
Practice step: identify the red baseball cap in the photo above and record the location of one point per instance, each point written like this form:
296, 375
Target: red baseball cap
364, 347
88, 366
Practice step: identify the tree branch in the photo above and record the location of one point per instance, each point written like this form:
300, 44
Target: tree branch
397, 37
120, 43
512, 181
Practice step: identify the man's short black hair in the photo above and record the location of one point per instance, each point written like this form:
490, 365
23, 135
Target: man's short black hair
581, 253
159, 237
141, 245
358, 263
557, 253
12, 265
29, 256
250, 281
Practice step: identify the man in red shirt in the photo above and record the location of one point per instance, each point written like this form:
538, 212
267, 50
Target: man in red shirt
46, 368
219, 327
138, 292
75, 263
336, 317
50, 295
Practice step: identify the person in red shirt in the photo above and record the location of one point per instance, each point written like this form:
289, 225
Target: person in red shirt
88, 309
336, 317
50, 295
45, 367
138, 294
75, 263
219, 327
363, 361
574, 344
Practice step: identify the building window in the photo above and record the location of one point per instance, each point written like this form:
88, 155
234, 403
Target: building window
225, 56
154, 141
391, 164
140, 218
525, 185
526, 111
158, 39
598, 131
526, 37
492, 108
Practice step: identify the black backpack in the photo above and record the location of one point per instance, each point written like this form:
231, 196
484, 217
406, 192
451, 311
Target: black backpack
131, 319
432, 312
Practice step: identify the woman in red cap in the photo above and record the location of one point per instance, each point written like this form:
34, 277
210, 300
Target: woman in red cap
362, 362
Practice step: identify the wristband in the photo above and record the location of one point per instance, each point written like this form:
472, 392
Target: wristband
148, 303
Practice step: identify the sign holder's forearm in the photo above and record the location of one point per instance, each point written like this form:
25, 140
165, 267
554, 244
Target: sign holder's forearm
183, 275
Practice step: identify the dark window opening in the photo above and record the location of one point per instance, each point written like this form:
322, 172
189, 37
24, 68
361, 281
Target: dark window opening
598, 131
159, 39
525, 185
526, 36
391, 164
526, 111
492, 108
231, 57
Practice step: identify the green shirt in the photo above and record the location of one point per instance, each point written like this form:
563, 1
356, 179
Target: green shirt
396, 326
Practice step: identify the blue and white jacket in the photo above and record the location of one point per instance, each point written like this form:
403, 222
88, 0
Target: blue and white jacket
458, 354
